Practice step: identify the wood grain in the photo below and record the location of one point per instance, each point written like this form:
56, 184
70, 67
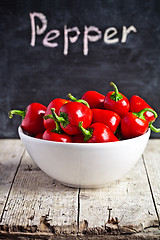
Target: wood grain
34, 206
152, 164
151, 234
122, 207
39, 203
11, 152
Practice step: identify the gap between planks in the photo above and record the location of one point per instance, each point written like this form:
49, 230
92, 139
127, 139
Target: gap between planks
46, 197
11, 185
78, 211
79, 192
129, 199
11, 153
152, 194
151, 158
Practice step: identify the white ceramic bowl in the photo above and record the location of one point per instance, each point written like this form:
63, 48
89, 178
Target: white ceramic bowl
87, 165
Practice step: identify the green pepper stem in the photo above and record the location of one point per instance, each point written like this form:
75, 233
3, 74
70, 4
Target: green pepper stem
57, 120
62, 119
78, 100
17, 112
72, 97
87, 133
115, 87
58, 128
154, 129
140, 113
56, 117
116, 96
48, 116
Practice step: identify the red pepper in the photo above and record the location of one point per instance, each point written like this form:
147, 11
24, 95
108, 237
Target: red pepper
56, 133
116, 102
79, 138
57, 103
137, 104
135, 124
110, 118
97, 133
39, 135
94, 99
32, 118
78, 100
50, 135
70, 114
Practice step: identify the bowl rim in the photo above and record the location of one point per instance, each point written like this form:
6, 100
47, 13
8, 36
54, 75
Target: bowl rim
20, 132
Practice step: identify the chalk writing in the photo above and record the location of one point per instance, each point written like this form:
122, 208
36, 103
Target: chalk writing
91, 34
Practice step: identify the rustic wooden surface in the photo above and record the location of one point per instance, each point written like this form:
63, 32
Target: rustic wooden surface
34, 206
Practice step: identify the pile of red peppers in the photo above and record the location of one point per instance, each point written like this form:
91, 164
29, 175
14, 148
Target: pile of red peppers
94, 118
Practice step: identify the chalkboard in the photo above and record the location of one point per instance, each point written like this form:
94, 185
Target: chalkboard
54, 47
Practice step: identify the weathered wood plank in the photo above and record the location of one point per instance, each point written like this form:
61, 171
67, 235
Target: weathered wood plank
11, 152
122, 207
35, 198
147, 234
152, 164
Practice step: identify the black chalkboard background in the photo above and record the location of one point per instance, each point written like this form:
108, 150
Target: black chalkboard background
39, 74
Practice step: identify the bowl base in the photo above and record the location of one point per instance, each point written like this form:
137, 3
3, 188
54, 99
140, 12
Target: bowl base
85, 186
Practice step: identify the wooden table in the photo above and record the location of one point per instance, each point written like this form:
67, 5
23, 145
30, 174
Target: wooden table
34, 206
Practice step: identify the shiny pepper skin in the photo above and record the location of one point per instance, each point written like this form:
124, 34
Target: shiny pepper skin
57, 103
135, 124
109, 118
131, 126
94, 99
117, 102
137, 104
71, 114
32, 118
50, 135
97, 133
